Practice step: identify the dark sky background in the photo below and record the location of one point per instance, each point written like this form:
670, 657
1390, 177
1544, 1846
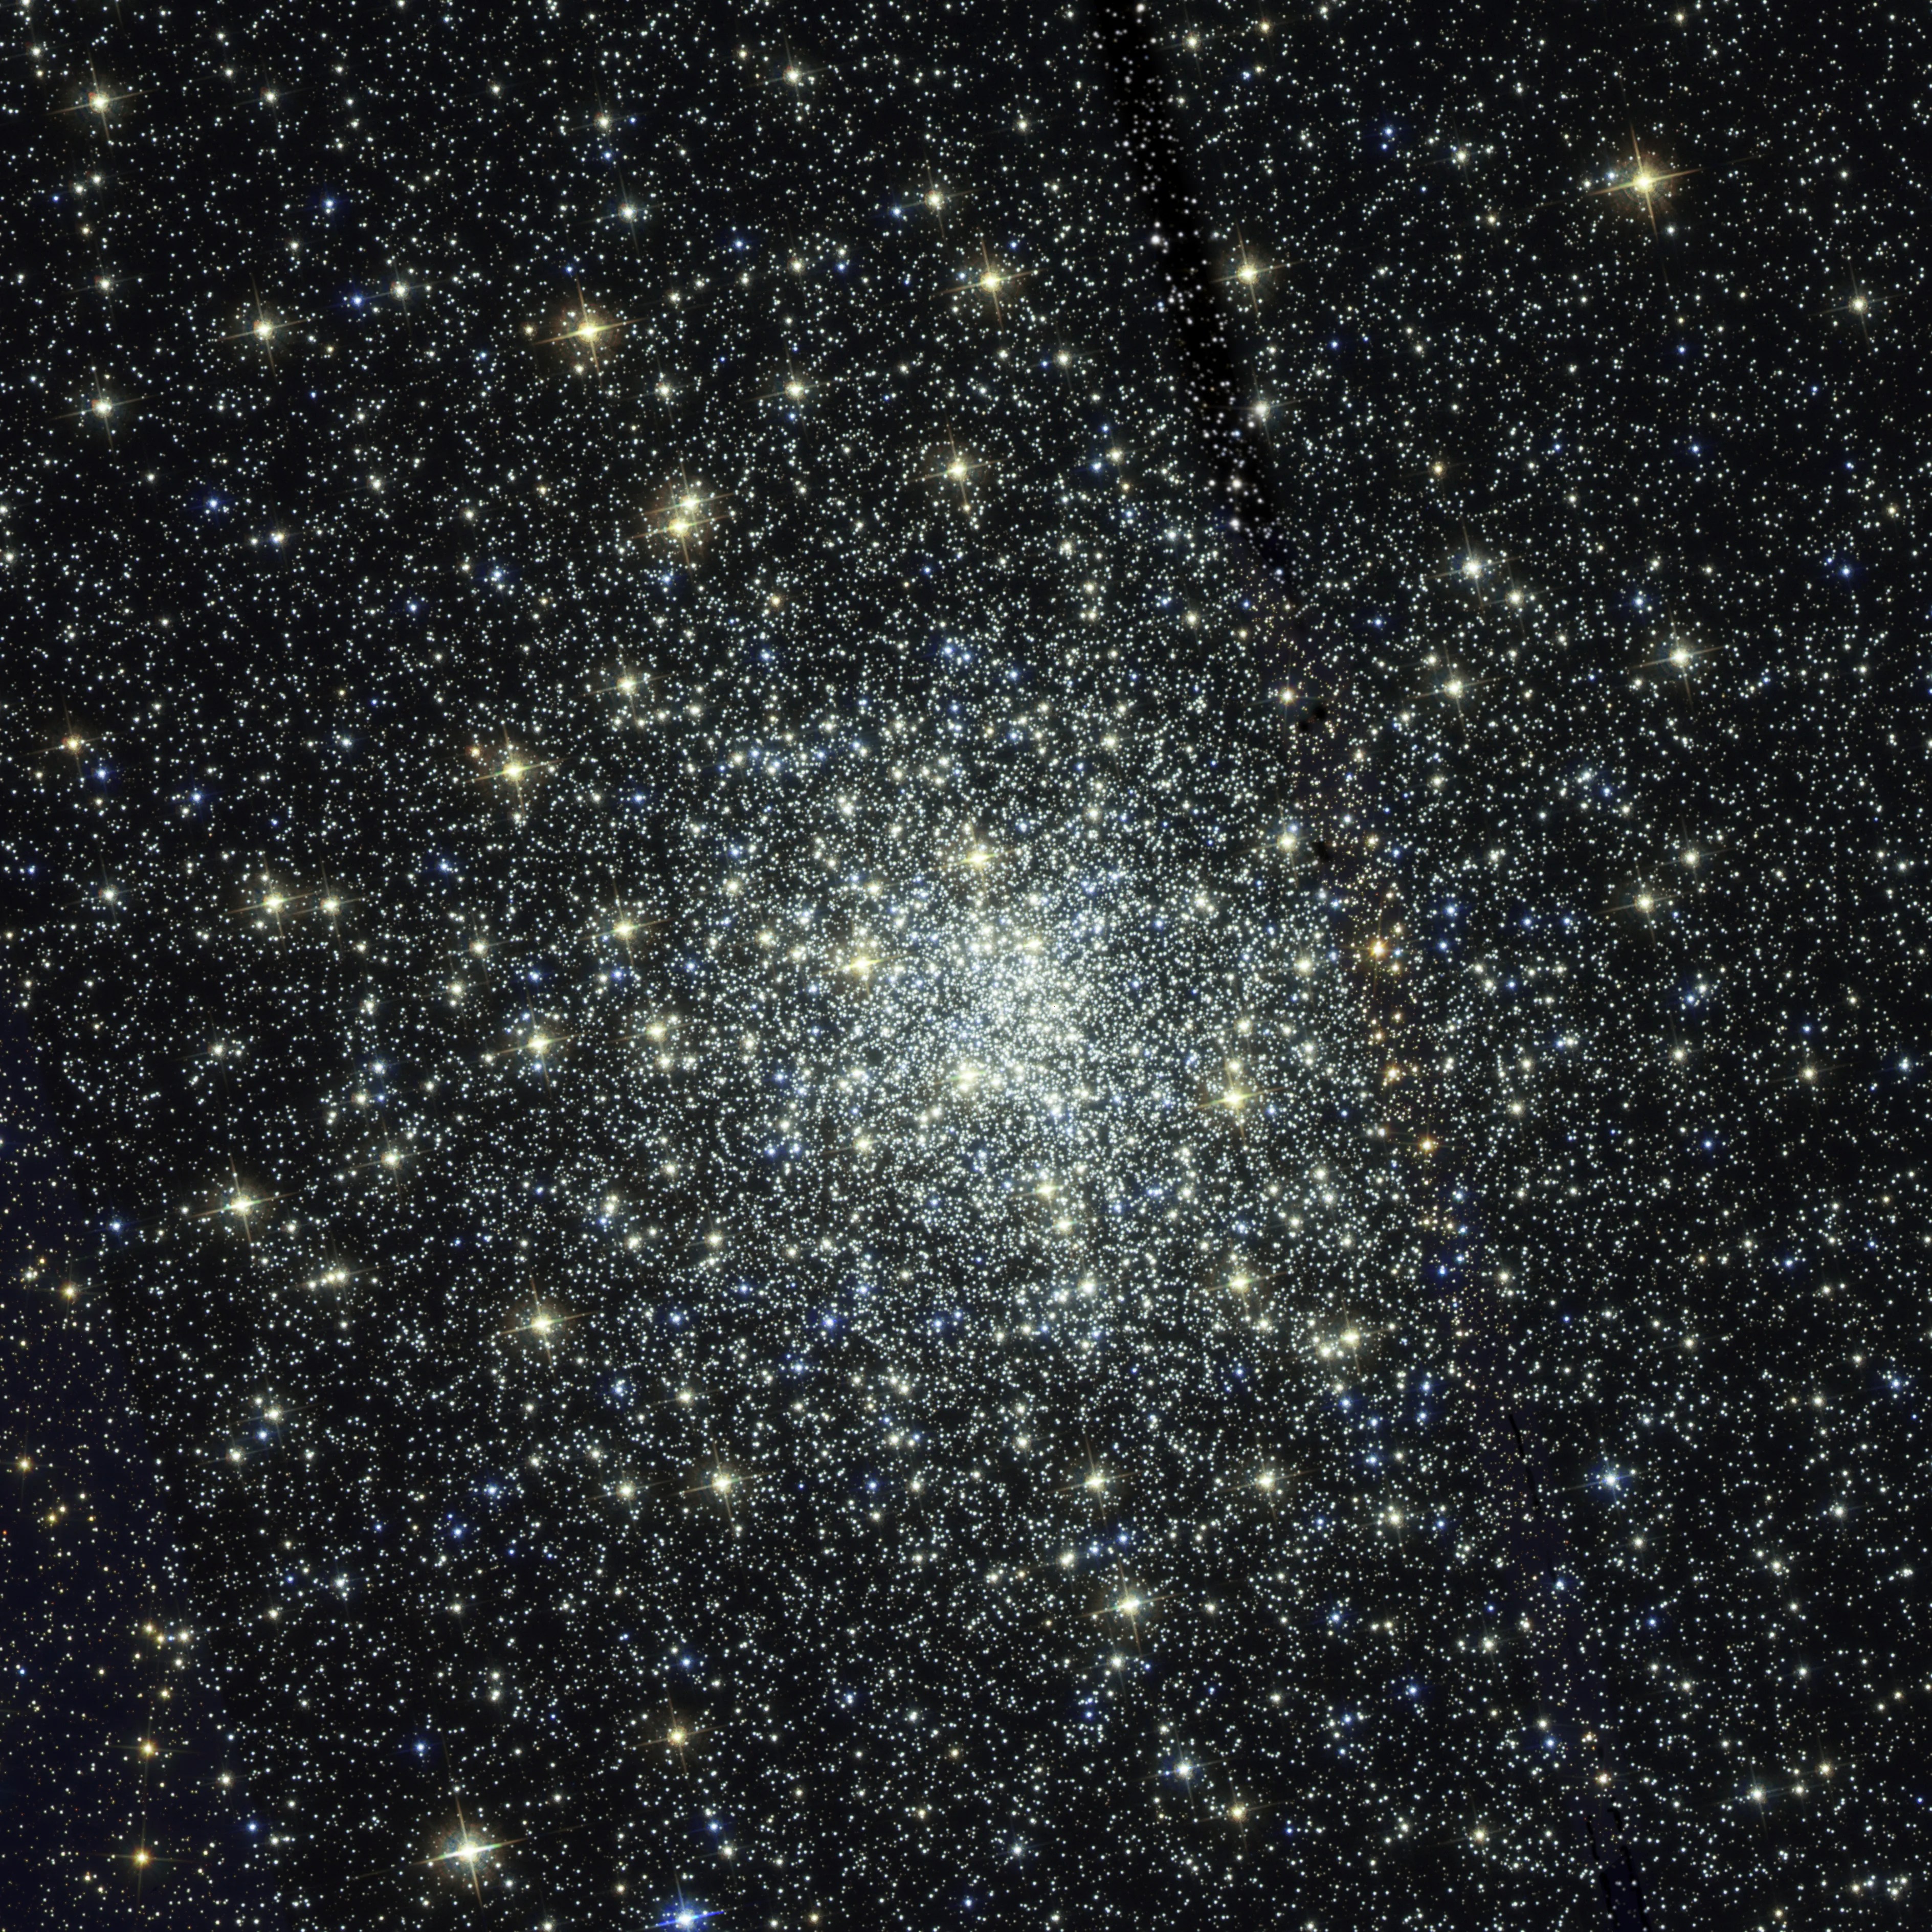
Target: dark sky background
965, 968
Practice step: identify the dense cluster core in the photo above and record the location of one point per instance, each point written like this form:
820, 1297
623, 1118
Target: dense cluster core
793, 1152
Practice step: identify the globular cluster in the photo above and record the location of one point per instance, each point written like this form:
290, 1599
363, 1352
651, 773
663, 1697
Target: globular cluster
805, 1128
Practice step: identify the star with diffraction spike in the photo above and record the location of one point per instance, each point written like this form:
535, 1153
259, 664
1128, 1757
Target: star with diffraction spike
469, 1850
935, 199
993, 279
262, 328
587, 333
686, 518
103, 407
1248, 271
242, 1202
100, 99
1646, 180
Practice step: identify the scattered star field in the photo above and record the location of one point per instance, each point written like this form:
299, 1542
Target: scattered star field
965, 967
